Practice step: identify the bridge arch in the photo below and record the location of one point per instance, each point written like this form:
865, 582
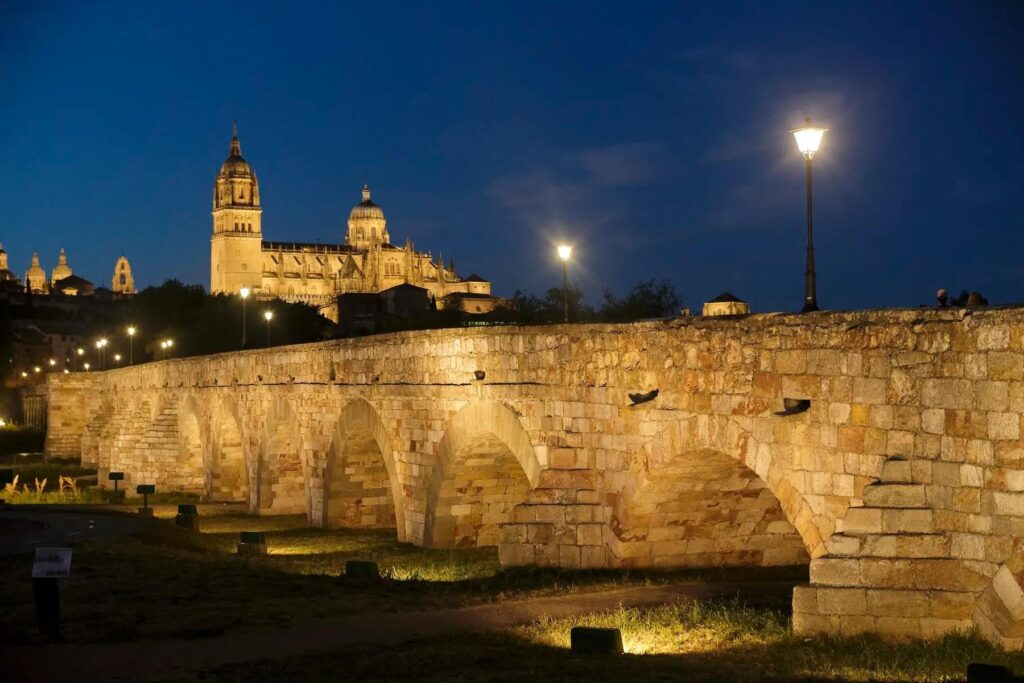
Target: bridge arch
485, 467
227, 471
193, 442
361, 487
281, 472
715, 466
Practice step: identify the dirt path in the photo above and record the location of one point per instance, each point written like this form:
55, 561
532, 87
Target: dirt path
170, 659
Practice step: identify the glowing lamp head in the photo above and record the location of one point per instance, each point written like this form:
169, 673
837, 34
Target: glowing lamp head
131, 330
244, 292
24, 374
808, 139
163, 345
37, 369
564, 252
117, 357
170, 343
268, 315
52, 362
87, 366
81, 352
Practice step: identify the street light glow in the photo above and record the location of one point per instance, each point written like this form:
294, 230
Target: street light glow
564, 252
117, 357
131, 330
244, 292
808, 139
52, 362
37, 369
268, 315
86, 366
81, 352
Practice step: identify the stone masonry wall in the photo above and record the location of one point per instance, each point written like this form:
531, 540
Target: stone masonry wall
901, 476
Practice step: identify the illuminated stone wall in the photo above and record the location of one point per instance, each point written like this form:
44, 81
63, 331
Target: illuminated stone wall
900, 474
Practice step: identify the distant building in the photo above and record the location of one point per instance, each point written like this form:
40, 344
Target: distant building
122, 282
726, 304
313, 273
62, 280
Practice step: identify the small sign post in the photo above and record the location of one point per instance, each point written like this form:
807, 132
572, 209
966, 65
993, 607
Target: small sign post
144, 490
116, 477
50, 564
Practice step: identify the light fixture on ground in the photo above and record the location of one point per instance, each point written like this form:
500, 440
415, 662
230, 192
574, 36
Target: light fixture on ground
252, 543
564, 252
268, 315
588, 640
808, 140
244, 293
131, 344
187, 517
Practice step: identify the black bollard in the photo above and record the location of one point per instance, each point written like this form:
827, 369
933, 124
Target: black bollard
47, 596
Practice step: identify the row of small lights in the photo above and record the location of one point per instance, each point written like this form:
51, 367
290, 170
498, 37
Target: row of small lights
165, 344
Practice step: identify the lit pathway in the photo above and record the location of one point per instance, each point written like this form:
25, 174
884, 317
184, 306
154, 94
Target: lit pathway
183, 659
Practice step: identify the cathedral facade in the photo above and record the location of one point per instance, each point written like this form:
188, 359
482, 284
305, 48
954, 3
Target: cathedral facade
318, 274
62, 279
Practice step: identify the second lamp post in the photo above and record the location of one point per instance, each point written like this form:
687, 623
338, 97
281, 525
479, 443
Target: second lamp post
808, 140
564, 252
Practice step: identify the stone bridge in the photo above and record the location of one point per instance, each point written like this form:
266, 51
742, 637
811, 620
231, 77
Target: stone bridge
884, 448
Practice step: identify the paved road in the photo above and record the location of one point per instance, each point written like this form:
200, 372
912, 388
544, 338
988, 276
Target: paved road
22, 530
182, 659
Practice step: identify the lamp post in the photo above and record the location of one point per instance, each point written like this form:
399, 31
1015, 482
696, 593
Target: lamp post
564, 252
268, 315
81, 352
808, 140
131, 344
244, 293
163, 349
117, 358
101, 345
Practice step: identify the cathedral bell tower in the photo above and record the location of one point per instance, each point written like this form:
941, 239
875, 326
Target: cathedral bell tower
236, 257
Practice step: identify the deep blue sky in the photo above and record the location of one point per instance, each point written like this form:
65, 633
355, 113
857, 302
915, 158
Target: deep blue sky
653, 136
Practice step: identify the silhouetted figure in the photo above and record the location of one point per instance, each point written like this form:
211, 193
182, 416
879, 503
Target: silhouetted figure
942, 296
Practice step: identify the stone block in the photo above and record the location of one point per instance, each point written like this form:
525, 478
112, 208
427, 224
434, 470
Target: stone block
862, 521
841, 601
895, 495
898, 603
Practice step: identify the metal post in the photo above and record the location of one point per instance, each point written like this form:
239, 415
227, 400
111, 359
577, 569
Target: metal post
810, 287
268, 333
131, 349
243, 321
565, 288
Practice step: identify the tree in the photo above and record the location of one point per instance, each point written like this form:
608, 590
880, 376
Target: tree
647, 299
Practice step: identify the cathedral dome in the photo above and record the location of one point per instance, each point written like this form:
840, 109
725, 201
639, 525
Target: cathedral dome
366, 224
235, 165
366, 209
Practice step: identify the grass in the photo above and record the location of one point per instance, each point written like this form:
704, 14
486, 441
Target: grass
163, 583
694, 641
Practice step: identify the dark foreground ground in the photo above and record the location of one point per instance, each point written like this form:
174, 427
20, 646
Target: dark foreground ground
160, 604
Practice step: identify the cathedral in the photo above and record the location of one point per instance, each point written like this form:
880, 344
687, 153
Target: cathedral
318, 274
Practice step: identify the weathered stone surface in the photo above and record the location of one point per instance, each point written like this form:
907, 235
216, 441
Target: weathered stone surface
903, 484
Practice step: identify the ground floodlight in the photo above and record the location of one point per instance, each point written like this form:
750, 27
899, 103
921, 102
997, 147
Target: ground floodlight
988, 673
252, 543
362, 569
588, 640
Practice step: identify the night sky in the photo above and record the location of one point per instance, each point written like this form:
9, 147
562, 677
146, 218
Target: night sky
652, 136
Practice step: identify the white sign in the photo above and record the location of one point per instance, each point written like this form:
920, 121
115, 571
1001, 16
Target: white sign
52, 563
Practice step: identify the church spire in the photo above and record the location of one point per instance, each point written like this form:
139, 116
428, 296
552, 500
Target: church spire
236, 147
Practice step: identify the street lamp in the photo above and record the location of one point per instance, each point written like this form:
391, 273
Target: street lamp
117, 358
53, 363
268, 315
244, 293
564, 252
101, 344
166, 344
808, 140
87, 366
131, 344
